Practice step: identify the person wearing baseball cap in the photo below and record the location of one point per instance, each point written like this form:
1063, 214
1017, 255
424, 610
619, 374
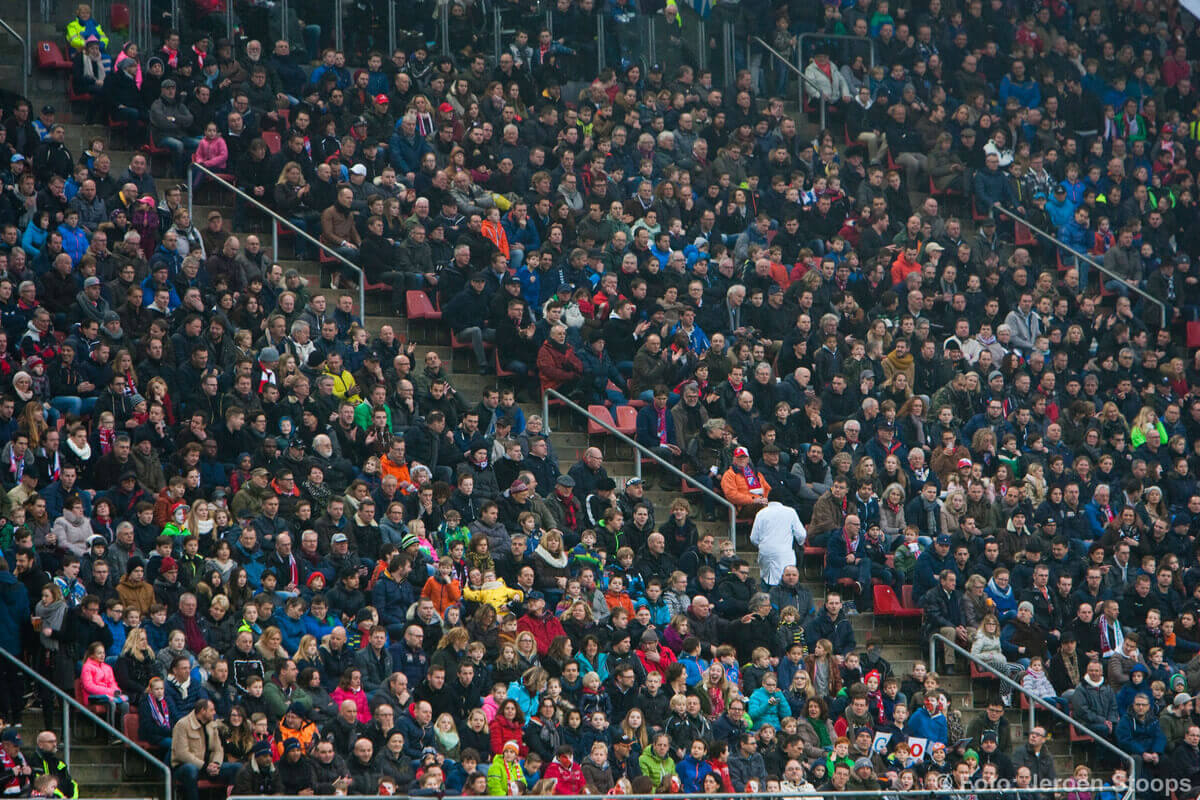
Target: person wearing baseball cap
742, 485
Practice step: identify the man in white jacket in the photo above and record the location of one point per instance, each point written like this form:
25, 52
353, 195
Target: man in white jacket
776, 528
823, 77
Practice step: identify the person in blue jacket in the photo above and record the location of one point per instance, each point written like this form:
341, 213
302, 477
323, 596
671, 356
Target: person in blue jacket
846, 556
692, 769
768, 705
1139, 734
931, 563
928, 722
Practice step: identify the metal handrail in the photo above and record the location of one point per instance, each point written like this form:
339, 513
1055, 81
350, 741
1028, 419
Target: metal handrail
70, 703
848, 36
637, 462
362, 278
1034, 702
25, 61
804, 81
1162, 307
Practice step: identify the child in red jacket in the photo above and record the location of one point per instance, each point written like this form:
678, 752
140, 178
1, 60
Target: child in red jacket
566, 774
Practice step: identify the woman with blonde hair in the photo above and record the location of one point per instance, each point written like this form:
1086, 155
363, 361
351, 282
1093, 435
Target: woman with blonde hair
1146, 423
200, 520
891, 510
122, 365
986, 648
445, 734
451, 649
910, 420
32, 422
800, 692
136, 665
634, 726
527, 653
975, 603
865, 474
270, 649
717, 689
954, 510
157, 391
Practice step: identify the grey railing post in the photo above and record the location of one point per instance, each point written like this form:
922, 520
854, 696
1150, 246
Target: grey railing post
600, 44
497, 23
391, 26
1162, 307
71, 704
66, 712
1035, 701
25, 61
338, 25
444, 19
287, 223
890, 794
644, 452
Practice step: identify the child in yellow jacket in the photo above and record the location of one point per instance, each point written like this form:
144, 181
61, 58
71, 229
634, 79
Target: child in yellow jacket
494, 592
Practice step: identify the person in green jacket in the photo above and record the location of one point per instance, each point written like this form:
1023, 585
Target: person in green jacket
505, 776
656, 762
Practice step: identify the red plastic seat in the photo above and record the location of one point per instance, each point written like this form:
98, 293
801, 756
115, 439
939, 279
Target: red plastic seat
75, 96
501, 372
1022, 237
1193, 335
152, 148
906, 597
978, 674
936, 192
50, 56
99, 709
976, 215
887, 604
118, 17
627, 420
272, 140
419, 306
601, 413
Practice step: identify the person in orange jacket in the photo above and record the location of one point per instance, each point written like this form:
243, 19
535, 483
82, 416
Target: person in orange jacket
741, 484
441, 588
906, 262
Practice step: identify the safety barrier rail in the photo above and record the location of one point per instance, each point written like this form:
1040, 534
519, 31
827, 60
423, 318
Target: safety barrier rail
637, 462
280, 220
802, 81
70, 704
1034, 703
793, 794
1162, 307
26, 60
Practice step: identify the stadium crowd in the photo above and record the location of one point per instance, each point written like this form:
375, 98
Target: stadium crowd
308, 563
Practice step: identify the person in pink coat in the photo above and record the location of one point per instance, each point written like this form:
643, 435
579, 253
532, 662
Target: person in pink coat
99, 684
212, 152
350, 688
